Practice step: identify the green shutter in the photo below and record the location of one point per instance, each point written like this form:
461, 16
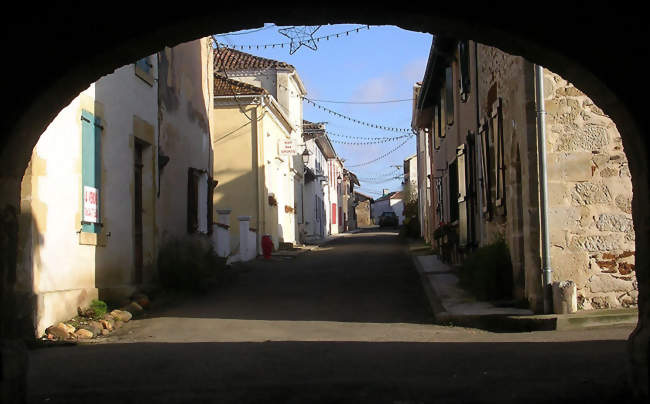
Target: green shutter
91, 134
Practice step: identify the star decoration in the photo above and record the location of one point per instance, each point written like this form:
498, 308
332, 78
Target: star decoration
299, 36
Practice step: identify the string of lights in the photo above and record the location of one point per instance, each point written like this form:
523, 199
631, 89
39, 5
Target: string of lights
247, 32
367, 138
335, 113
283, 44
364, 102
380, 157
357, 121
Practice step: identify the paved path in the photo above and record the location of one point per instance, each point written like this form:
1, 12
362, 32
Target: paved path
347, 322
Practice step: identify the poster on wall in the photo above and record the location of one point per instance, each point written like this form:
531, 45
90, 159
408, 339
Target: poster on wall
91, 198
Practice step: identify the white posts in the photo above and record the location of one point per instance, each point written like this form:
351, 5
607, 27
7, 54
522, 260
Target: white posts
222, 238
244, 239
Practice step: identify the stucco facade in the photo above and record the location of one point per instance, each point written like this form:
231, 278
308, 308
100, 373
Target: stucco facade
256, 178
94, 205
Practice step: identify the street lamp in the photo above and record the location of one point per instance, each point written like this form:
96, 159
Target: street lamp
305, 157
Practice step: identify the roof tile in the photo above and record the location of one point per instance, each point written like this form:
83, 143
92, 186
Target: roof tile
231, 59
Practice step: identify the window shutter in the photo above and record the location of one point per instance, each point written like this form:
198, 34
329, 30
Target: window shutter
334, 213
463, 51
462, 195
449, 96
442, 113
91, 135
453, 191
212, 184
436, 128
499, 166
484, 148
192, 200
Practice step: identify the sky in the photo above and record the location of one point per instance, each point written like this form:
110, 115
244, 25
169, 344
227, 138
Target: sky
375, 64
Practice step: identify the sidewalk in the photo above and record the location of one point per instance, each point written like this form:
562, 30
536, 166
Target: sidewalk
453, 305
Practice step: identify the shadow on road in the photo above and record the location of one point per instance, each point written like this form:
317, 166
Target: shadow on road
365, 277
324, 372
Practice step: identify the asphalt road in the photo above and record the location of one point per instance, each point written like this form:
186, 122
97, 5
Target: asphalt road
347, 322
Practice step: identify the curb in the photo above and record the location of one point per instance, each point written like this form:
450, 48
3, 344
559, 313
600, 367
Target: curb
515, 323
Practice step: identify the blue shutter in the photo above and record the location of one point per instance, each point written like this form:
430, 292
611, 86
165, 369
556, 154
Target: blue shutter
90, 163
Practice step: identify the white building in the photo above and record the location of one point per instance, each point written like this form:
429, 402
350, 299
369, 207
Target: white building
389, 202
283, 84
315, 193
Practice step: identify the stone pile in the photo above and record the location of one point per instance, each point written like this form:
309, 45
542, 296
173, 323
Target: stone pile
86, 326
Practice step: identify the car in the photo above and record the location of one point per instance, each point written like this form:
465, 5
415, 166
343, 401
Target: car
388, 219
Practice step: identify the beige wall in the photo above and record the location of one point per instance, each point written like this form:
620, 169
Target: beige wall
235, 165
185, 87
249, 168
64, 267
591, 231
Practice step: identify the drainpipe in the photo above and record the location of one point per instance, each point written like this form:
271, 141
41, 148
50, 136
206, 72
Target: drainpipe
543, 196
479, 156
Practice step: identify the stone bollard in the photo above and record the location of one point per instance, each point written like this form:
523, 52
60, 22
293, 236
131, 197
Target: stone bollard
222, 238
244, 229
564, 297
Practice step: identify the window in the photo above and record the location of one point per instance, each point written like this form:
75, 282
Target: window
91, 136
436, 133
144, 69
464, 82
200, 188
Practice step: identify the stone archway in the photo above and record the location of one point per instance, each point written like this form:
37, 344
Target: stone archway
53, 52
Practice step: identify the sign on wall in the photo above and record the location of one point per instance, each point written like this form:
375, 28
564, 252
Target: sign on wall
91, 200
287, 147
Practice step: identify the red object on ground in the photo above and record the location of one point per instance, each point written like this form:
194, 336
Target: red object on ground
267, 246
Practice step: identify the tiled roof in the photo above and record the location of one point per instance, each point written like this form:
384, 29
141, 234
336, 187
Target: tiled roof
228, 87
306, 125
231, 59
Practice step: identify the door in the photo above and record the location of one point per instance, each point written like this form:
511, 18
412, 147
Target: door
137, 206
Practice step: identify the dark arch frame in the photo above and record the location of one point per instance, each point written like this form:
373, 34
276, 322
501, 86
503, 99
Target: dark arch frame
53, 52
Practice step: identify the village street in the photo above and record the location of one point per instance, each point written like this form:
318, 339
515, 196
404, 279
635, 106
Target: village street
346, 322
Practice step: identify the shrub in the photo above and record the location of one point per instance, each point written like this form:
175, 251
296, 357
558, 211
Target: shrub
189, 264
487, 272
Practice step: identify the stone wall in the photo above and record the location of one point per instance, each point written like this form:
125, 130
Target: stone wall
362, 211
590, 194
510, 79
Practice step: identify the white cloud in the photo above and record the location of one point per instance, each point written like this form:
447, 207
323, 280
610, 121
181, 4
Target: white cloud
414, 70
376, 88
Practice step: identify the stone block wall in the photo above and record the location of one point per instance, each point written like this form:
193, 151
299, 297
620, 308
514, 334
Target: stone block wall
590, 194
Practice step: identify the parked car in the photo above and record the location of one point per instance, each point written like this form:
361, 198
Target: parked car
388, 219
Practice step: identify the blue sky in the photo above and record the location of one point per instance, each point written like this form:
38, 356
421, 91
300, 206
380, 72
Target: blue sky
377, 64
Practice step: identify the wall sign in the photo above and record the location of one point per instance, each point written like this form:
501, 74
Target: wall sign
287, 147
91, 200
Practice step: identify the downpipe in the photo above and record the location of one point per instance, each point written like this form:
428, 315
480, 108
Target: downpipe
543, 190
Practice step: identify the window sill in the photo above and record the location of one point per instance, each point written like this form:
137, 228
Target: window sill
93, 239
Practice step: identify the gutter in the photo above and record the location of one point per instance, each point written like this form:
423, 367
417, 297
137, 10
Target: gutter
543, 193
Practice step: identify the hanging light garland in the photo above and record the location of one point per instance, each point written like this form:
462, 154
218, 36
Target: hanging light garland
380, 157
357, 121
305, 38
